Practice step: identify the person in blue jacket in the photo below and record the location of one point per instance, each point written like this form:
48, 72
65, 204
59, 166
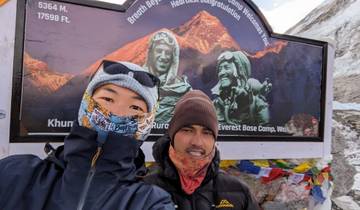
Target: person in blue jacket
99, 164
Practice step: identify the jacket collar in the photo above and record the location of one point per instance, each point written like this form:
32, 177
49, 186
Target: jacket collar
161, 156
118, 156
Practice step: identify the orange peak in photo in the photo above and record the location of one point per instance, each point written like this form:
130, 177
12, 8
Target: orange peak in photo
2, 2
273, 48
41, 76
202, 33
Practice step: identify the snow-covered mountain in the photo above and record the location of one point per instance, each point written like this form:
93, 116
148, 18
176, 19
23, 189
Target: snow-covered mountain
203, 34
39, 77
339, 20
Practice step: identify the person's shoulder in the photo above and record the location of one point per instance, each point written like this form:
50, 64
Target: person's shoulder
151, 192
230, 179
150, 177
234, 187
19, 164
147, 183
156, 198
153, 188
26, 160
18, 170
182, 79
230, 182
154, 179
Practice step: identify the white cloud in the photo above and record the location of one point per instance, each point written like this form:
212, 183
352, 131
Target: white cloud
276, 4
288, 13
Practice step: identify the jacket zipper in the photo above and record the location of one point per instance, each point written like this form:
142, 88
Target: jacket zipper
89, 179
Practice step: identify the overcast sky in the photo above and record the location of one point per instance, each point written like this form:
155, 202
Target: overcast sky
281, 14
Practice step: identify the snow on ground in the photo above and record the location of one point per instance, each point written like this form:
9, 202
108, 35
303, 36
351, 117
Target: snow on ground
345, 106
346, 202
352, 150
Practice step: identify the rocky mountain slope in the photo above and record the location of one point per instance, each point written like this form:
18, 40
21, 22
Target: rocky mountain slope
338, 20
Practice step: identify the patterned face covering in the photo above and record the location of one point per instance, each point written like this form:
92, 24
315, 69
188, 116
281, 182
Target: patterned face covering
92, 115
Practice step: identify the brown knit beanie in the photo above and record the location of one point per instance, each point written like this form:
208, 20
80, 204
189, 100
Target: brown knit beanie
194, 108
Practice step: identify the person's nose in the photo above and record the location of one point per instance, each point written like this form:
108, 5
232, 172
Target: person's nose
221, 72
118, 111
197, 139
163, 55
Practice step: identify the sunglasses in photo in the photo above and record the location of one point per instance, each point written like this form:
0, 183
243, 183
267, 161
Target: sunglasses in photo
144, 78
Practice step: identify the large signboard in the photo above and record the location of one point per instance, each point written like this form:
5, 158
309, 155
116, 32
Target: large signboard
264, 86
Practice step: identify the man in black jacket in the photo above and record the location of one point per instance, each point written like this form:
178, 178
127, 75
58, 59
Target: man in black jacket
97, 167
189, 160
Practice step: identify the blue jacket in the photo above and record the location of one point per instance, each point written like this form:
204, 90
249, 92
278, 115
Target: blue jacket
65, 180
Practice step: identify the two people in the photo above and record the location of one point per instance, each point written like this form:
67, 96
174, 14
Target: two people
238, 97
99, 165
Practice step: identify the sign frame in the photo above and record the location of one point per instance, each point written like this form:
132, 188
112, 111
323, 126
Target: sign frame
18, 79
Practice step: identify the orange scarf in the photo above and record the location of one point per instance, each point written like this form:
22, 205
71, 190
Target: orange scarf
192, 171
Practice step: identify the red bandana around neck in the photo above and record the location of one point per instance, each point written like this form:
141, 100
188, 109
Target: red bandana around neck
192, 171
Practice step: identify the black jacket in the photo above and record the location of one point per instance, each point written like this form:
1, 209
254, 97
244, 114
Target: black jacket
217, 191
65, 180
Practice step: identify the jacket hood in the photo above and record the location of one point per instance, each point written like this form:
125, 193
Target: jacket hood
161, 156
120, 156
